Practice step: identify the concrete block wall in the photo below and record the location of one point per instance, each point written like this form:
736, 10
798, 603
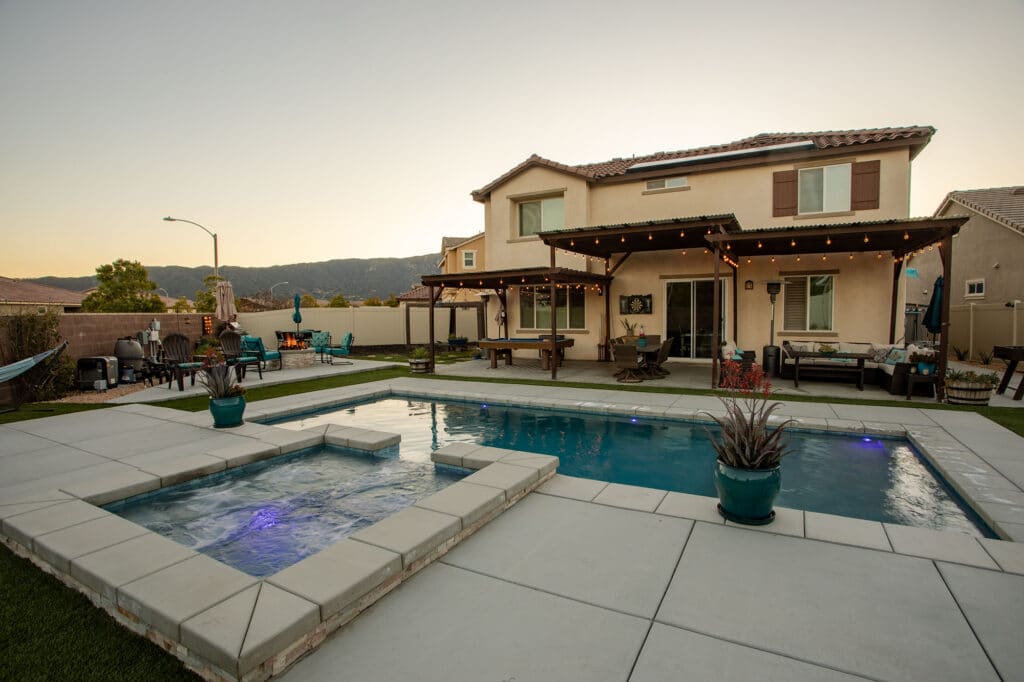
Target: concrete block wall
91, 334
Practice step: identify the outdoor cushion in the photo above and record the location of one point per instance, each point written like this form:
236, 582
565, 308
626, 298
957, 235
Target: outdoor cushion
320, 340
879, 353
896, 356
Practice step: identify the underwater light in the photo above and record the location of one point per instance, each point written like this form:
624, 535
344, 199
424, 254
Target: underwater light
484, 406
634, 420
866, 439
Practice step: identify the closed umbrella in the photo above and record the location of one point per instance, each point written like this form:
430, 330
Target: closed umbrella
933, 314
225, 302
297, 316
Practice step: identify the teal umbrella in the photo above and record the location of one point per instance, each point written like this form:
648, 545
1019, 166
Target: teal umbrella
297, 316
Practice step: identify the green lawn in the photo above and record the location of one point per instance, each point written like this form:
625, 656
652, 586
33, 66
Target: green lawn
48, 631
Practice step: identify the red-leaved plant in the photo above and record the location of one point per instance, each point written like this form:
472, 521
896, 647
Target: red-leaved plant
747, 440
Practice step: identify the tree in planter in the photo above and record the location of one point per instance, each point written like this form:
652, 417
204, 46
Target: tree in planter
123, 287
27, 334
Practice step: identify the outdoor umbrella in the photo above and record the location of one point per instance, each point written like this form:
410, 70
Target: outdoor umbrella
297, 316
933, 314
225, 302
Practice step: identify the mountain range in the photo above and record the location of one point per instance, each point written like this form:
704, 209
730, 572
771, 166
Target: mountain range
356, 278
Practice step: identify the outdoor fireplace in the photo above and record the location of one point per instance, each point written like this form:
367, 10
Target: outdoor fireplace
293, 340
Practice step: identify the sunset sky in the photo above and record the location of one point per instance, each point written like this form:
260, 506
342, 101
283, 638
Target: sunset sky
305, 131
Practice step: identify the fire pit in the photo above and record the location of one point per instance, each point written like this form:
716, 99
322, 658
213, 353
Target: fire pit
295, 349
293, 340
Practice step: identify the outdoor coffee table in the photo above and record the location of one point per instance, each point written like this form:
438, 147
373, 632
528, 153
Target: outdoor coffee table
918, 378
838, 367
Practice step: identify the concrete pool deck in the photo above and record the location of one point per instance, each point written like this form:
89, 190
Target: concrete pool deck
587, 580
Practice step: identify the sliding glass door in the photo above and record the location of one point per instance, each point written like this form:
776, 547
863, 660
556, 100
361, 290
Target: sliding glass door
690, 318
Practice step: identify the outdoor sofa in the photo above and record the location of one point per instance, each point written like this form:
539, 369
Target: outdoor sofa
887, 366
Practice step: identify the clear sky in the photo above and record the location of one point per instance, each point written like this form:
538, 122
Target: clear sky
305, 131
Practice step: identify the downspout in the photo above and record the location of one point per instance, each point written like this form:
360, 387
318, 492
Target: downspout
716, 332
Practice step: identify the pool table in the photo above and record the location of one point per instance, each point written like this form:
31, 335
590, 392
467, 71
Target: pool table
506, 346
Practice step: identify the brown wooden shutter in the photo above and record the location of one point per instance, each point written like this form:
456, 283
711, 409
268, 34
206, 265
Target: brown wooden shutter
784, 193
866, 179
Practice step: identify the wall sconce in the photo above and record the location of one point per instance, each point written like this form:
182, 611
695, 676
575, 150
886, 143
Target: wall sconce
749, 285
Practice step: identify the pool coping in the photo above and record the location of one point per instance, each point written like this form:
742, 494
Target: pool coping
280, 618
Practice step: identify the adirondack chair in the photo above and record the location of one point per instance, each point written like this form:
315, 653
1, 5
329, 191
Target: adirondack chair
178, 352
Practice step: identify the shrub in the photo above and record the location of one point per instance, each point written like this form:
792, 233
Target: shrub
960, 353
27, 334
419, 353
218, 378
985, 358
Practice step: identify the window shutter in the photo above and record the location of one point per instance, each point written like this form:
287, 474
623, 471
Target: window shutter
864, 190
784, 193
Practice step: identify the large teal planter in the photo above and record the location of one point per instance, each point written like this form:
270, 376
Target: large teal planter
227, 412
747, 495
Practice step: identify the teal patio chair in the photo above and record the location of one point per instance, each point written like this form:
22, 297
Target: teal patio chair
329, 352
231, 346
253, 345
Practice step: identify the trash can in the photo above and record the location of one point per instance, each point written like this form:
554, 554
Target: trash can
771, 356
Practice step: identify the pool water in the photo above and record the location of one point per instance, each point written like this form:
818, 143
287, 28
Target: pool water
855, 476
264, 517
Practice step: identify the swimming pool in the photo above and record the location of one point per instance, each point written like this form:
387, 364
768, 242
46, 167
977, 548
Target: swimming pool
878, 479
263, 517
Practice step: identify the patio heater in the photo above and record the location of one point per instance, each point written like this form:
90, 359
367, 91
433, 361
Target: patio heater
772, 353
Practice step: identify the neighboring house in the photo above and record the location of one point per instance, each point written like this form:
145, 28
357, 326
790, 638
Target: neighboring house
988, 266
19, 296
462, 254
825, 213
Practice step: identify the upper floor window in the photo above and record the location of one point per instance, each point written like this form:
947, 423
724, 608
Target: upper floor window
974, 288
542, 215
808, 303
667, 183
825, 189
469, 260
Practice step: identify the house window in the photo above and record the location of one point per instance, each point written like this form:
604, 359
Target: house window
825, 189
535, 308
975, 288
667, 183
542, 215
469, 260
808, 303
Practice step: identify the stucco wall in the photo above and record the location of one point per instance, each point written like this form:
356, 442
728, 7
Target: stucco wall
453, 258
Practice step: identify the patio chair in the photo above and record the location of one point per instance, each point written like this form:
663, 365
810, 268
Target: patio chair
329, 352
178, 352
16, 370
253, 345
627, 361
656, 369
231, 345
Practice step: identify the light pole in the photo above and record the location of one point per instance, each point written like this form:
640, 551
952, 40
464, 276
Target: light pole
216, 268
272, 289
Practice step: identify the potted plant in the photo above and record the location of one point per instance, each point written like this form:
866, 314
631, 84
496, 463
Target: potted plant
457, 342
750, 447
630, 328
227, 397
925, 362
969, 388
419, 360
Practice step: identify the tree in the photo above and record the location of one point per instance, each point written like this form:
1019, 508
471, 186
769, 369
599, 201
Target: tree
392, 302
182, 305
123, 287
206, 298
339, 301
372, 301
307, 301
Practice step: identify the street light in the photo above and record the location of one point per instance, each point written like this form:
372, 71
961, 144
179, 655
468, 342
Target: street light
216, 268
272, 289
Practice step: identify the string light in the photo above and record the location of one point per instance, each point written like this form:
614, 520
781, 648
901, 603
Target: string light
572, 242
597, 240
866, 240
792, 242
759, 244
773, 259
824, 257
851, 256
684, 252
650, 237
879, 254
828, 241
906, 235
749, 261
798, 259
622, 239
682, 234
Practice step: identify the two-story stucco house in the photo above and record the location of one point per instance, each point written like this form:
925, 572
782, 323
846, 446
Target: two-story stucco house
650, 239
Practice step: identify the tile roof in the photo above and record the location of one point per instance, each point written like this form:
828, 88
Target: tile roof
21, 291
826, 139
1002, 204
451, 242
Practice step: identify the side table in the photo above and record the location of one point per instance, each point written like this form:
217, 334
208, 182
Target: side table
916, 378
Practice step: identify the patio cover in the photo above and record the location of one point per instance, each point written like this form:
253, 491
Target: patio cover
499, 280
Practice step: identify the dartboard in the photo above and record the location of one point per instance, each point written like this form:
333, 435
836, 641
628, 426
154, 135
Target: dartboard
636, 304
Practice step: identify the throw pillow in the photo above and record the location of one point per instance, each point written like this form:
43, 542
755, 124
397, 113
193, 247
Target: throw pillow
896, 356
879, 353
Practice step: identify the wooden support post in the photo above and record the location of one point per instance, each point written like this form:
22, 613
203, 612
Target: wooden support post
554, 320
897, 267
716, 311
946, 251
430, 323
